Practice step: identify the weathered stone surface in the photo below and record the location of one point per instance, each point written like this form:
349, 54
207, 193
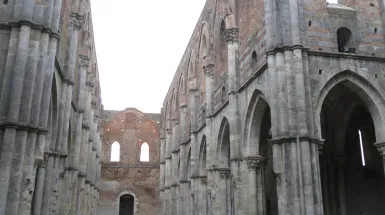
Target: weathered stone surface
272, 125
49, 120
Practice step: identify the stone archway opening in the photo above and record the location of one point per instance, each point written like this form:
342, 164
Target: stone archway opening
352, 174
126, 204
268, 177
258, 150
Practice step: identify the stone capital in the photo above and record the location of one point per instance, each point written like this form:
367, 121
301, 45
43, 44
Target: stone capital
254, 162
231, 35
209, 69
76, 22
203, 179
380, 147
224, 173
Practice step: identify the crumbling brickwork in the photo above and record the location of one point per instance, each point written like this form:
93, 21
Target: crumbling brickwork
130, 128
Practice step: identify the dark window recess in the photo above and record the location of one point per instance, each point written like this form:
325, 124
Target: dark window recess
5, 1
309, 23
344, 40
254, 61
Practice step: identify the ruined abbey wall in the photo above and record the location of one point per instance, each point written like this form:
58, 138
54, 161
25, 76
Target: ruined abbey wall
50, 108
277, 107
128, 175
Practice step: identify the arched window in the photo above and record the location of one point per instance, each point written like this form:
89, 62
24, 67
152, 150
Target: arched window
254, 61
344, 40
144, 153
115, 152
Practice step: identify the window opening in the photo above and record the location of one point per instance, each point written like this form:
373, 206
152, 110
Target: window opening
144, 153
344, 37
332, 1
362, 148
5, 1
115, 152
254, 61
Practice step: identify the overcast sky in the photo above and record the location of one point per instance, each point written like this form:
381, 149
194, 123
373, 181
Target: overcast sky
139, 44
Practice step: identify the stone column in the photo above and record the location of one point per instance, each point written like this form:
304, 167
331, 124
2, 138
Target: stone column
218, 195
202, 195
183, 192
341, 161
252, 186
39, 188
69, 69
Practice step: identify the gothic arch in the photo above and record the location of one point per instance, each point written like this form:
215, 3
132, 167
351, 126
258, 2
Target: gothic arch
372, 97
182, 93
53, 118
136, 202
257, 109
204, 52
202, 157
223, 145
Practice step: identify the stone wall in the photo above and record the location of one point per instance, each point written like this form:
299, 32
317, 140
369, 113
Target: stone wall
50, 108
263, 113
130, 128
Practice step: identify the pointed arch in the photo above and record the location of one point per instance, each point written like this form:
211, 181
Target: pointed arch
115, 152
371, 96
204, 50
223, 147
223, 58
202, 157
256, 111
145, 152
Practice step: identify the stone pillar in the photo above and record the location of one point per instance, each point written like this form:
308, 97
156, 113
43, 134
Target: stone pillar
218, 195
39, 188
69, 69
252, 185
341, 161
202, 195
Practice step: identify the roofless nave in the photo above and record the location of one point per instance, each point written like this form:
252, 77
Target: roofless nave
276, 108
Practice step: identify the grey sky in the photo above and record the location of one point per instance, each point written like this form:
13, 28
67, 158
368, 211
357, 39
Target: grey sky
139, 44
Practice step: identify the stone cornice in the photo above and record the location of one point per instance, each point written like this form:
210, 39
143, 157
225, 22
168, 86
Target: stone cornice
23, 127
33, 25
294, 138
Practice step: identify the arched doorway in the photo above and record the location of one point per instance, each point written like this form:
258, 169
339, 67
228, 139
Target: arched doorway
352, 172
258, 150
126, 204
268, 178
